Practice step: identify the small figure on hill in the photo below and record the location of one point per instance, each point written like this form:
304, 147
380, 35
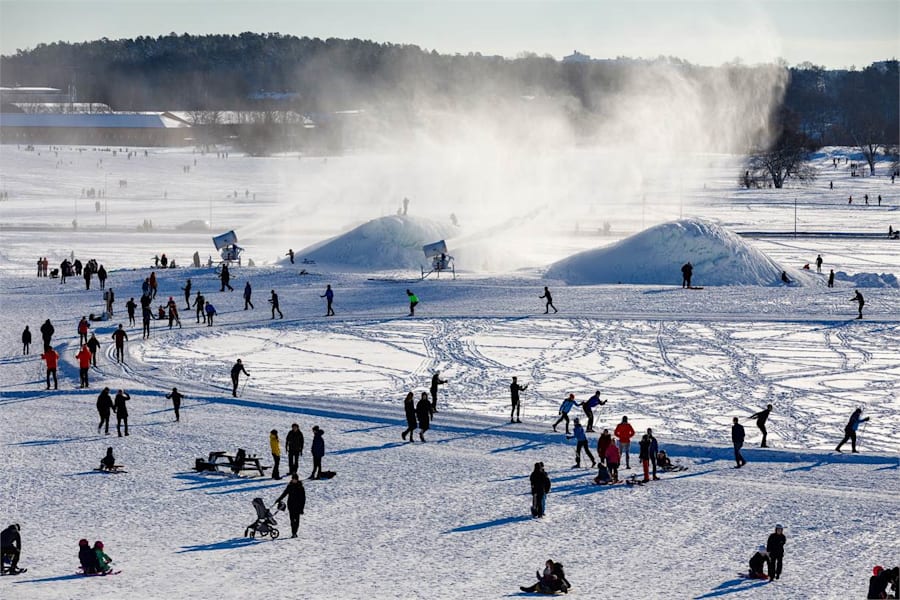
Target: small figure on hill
879, 199
424, 412
108, 462
624, 432
540, 487
248, 291
318, 451
588, 407
176, 397
26, 341
275, 446
687, 271
435, 382
290, 254
549, 304
196, 259
329, 299
784, 277
84, 357
775, 549
737, 439
862, 301
564, 409
293, 441
121, 409
758, 562
413, 301
514, 389
761, 418
819, 263
850, 429
273, 300
164, 261
296, 501
867, 199
405, 206
831, 279
581, 443
236, 371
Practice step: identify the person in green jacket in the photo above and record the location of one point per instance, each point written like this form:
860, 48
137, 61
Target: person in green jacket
413, 300
103, 559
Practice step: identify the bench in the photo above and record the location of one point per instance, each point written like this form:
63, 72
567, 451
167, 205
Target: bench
224, 462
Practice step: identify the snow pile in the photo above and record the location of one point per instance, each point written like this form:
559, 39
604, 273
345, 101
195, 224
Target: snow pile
655, 256
868, 280
393, 242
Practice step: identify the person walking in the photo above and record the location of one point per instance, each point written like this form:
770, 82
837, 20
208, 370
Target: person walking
761, 418
546, 296
737, 439
130, 306
274, 302
236, 371
146, 317
248, 291
624, 432
581, 443
644, 455
435, 382
654, 451
514, 389
819, 263
859, 298
296, 501
51, 357
540, 487
413, 301
84, 357
293, 442
318, 451
226, 279
121, 409
329, 299
409, 409
831, 279
110, 297
104, 406
93, 345
87, 273
588, 407
154, 285
775, 548
200, 305
101, 276
275, 446
47, 331
210, 313
687, 272
119, 336
176, 397
172, 308
850, 429
83, 327
423, 415
564, 409
290, 254
26, 341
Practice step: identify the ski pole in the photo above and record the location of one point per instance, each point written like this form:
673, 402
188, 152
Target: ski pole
859, 435
246, 379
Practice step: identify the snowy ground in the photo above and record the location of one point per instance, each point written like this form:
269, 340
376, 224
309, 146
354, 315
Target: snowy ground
447, 519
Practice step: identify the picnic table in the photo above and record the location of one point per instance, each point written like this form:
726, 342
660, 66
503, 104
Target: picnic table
228, 462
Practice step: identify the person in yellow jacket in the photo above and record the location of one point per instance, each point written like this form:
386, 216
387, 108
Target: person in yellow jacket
276, 453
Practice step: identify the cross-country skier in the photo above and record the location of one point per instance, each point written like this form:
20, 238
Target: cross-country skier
540, 487
274, 302
293, 442
296, 501
424, 410
176, 397
119, 336
624, 432
761, 418
409, 409
236, 371
775, 548
859, 298
737, 439
200, 304
850, 429
581, 443
546, 296
329, 299
588, 407
564, 409
121, 411
435, 382
130, 306
514, 389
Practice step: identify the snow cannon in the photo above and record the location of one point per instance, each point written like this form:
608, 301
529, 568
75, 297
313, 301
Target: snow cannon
226, 244
440, 259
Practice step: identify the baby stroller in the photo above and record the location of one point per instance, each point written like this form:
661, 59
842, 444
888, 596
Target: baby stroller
265, 521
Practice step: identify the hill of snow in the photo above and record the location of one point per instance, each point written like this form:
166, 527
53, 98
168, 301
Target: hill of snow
655, 256
393, 242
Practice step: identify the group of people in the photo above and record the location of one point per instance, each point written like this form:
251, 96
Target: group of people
293, 443
769, 557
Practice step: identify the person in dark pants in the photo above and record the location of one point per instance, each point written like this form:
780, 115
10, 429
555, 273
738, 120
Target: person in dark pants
588, 407
87, 279
83, 327
318, 451
850, 429
687, 272
121, 411
435, 382
11, 547
775, 548
759, 560
862, 301
654, 451
293, 441
274, 302
423, 415
247, 293
51, 357
84, 357
329, 299
119, 336
514, 389
540, 487
187, 294
644, 455
409, 408
26, 341
130, 306
761, 418
176, 397
200, 304
296, 501
581, 443
93, 345
831, 279
882, 578
290, 254
104, 406
413, 301
226, 279
146, 317
737, 438
47, 332
236, 371
275, 446
546, 295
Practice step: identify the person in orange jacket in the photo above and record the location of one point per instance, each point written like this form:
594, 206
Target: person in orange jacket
51, 357
84, 364
624, 432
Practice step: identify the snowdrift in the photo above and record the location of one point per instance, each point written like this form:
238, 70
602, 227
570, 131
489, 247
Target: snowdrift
655, 256
868, 280
393, 242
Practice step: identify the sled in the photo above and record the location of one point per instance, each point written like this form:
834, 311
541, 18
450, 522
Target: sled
115, 469
83, 574
745, 575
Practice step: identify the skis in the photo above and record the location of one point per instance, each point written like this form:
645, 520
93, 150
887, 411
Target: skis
16, 572
114, 470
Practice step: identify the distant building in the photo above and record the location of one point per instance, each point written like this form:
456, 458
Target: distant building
127, 129
577, 57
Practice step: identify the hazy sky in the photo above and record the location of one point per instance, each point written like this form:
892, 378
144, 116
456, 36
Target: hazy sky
834, 33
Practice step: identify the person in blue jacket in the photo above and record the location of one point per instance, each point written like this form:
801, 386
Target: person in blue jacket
588, 407
564, 409
581, 443
329, 299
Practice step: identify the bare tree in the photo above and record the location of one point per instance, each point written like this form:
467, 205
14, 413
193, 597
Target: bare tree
787, 158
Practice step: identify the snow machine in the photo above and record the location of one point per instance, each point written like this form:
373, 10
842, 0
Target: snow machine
228, 249
265, 521
440, 260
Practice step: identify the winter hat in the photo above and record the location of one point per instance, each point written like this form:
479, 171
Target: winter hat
571, 396
876, 571
778, 526
98, 544
762, 549
84, 542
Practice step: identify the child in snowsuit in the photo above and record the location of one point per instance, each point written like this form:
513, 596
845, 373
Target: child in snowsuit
87, 558
108, 461
103, 559
757, 562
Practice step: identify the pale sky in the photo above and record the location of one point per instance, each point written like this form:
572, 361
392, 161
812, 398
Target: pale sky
833, 33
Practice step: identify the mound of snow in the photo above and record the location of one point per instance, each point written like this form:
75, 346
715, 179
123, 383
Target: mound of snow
655, 256
386, 243
868, 280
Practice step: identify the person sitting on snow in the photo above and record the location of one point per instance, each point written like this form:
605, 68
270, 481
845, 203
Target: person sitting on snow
109, 461
87, 558
103, 559
757, 562
551, 581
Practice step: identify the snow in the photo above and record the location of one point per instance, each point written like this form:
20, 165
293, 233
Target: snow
449, 518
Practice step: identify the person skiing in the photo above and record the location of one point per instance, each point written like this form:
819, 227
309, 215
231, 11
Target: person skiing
11, 547
104, 406
119, 336
435, 382
413, 301
759, 560
775, 549
624, 432
737, 439
850, 429
296, 501
103, 559
612, 461
581, 443
108, 462
831, 279
424, 410
514, 389
540, 487
130, 306
236, 371
409, 408
293, 442
588, 407
176, 397
644, 455
83, 327
26, 341
248, 291
761, 418
564, 409
546, 296
687, 271
47, 332
274, 302
859, 298
121, 411
880, 580
226, 278
84, 357
200, 304
187, 294
210, 313
329, 299
318, 451
290, 254
819, 263
654, 452
275, 446
51, 357
603, 443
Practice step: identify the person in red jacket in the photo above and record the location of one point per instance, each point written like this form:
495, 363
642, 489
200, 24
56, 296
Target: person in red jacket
603, 442
51, 357
83, 327
84, 364
624, 432
612, 462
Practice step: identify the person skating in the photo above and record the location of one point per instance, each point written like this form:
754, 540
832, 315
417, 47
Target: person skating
47, 331
200, 305
119, 336
603, 442
758, 562
273, 300
644, 456
581, 443
859, 299
84, 357
435, 382
11, 548
51, 357
317, 451
850, 429
248, 291
329, 299
413, 301
236, 371
104, 407
187, 294
624, 432
737, 439
293, 442
880, 580
296, 501
514, 389
26, 341
226, 279
409, 408
131, 306
108, 462
831, 279
775, 549
540, 487
564, 409
687, 272
83, 327
819, 263
761, 418
176, 397
424, 410
275, 446
588, 407
546, 296
103, 559
121, 409
654, 452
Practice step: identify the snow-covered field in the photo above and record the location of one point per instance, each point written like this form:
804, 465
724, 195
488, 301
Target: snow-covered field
446, 519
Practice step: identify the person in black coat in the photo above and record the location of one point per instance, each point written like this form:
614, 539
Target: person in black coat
761, 418
409, 407
108, 462
546, 296
176, 397
775, 548
104, 406
850, 429
540, 487
687, 271
737, 438
759, 560
88, 558
93, 345
130, 306
423, 414
880, 580
514, 389
293, 443
26, 341
273, 300
296, 501
47, 332
435, 382
236, 371
318, 451
11, 546
121, 411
